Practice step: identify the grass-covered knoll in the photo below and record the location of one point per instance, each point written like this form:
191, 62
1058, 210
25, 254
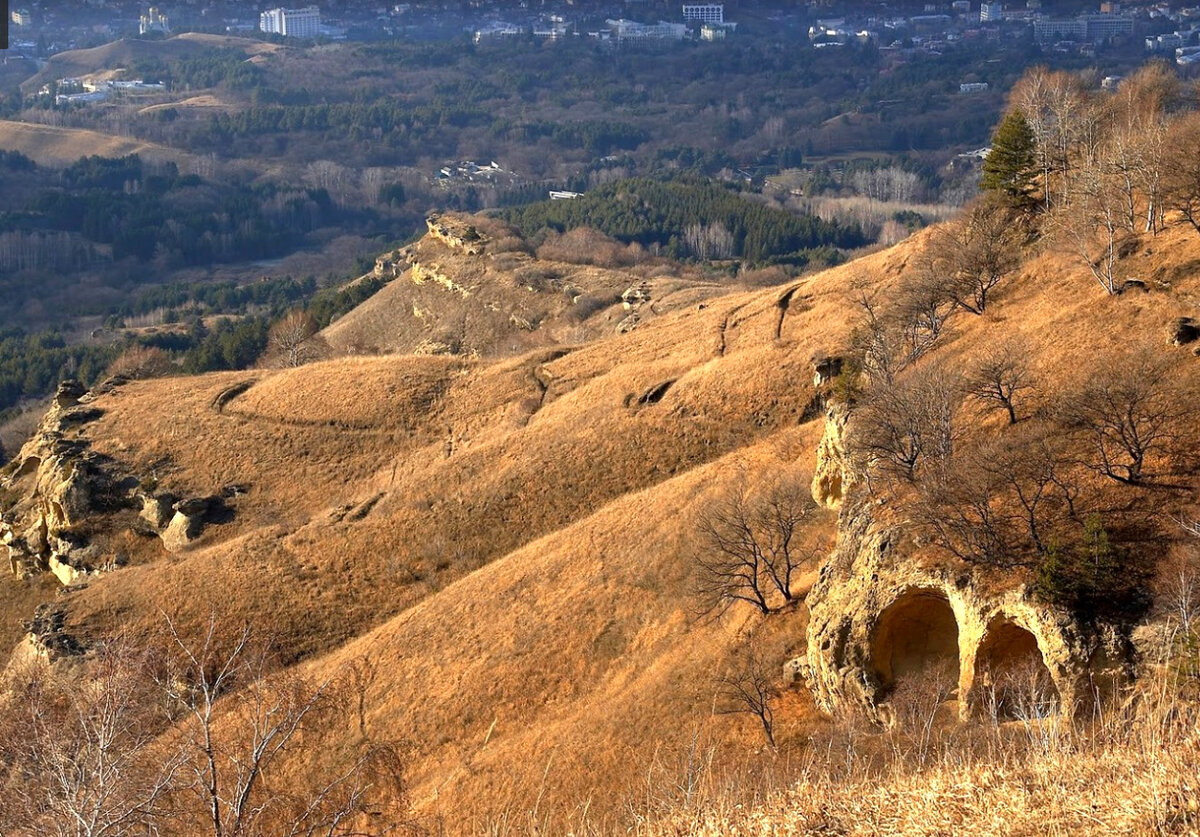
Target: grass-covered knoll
505, 299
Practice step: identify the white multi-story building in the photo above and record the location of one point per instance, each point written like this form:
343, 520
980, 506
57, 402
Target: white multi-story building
704, 12
292, 23
1083, 28
991, 12
629, 30
21, 17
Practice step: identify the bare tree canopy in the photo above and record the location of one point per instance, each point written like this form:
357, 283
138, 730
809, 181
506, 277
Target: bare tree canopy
973, 254
295, 340
1001, 378
908, 424
1000, 503
76, 752
750, 545
748, 687
189, 736
1129, 413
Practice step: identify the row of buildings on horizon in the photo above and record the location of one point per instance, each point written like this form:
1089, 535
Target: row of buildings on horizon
709, 17
1161, 25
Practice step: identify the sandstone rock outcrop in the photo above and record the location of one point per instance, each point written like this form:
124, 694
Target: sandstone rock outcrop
186, 523
433, 273
832, 475
825, 369
886, 612
47, 638
453, 232
53, 484
64, 502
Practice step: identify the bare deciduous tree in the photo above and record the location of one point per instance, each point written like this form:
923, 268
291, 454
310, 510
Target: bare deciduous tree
748, 687
975, 253
239, 717
1179, 589
907, 423
1182, 186
1031, 96
75, 749
750, 550
899, 326
295, 338
1129, 413
1001, 378
1057, 105
921, 308
1092, 225
1144, 103
713, 241
139, 362
874, 341
1001, 503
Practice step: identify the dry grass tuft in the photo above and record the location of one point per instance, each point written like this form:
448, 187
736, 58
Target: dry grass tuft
1130, 773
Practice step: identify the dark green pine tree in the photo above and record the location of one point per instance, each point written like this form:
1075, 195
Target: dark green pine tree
1011, 167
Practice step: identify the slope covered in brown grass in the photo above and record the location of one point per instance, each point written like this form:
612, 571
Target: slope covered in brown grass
122, 53
50, 145
511, 541
492, 296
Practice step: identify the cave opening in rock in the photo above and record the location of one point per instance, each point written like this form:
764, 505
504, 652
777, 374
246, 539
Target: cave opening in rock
916, 637
1011, 678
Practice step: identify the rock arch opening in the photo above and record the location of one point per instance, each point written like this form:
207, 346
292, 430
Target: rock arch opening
916, 639
1012, 680
27, 467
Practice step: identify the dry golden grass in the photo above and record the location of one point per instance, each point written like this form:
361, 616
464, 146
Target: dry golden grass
510, 540
509, 302
205, 101
50, 145
1133, 774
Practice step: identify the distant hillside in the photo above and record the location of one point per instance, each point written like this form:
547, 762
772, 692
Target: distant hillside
49, 145
489, 295
124, 53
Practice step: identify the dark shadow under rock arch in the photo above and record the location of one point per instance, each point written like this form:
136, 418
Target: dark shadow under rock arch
915, 638
1012, 680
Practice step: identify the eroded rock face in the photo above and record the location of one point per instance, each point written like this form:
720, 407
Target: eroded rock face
47, 638
889, 612
158, 509
883, 615
832, 475
63, 500
186, 523
433, 273
54, 484
455, 233
826, 368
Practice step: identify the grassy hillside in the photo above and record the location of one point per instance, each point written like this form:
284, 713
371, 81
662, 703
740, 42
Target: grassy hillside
498, 296
126, 53
511, 542
50, 145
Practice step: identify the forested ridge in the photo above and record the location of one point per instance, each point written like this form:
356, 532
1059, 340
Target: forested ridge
693, 219
181, 219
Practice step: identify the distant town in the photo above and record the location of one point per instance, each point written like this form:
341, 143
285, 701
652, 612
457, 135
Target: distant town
39, 29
